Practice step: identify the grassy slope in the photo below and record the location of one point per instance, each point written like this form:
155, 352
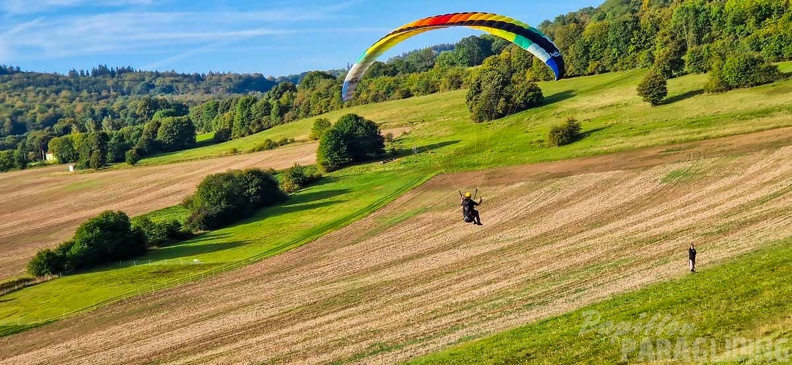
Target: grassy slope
297, 130
744, 298
204, 138
606, 104
614, 118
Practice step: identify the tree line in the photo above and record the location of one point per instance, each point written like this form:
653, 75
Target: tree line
220, 200
672, 37
92, 99
687, 36
240, 116
169, 129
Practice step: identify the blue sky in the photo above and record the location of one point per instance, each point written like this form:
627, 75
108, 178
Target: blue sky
270, 37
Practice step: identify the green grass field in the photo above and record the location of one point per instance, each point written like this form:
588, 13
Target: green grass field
204, 138
746, 298
614, 119
613, 116
206, 149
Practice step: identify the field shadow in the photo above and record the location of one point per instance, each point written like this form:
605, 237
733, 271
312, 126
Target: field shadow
324, 180
295, 208
559, 97
299, 203
192, 248
307, 197
204, 143
415, 150
590, 132
198, 238
683, 96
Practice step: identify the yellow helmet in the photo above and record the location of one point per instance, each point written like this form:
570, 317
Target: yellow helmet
467, 195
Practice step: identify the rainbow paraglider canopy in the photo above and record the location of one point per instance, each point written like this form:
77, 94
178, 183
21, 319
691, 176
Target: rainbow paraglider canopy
512, 30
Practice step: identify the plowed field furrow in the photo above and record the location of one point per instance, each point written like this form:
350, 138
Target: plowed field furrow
388, 288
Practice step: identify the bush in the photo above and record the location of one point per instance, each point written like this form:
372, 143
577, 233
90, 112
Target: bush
697, 60
362, 136
485, 98
132, 157
284, 141
352, 138
45, 263
96, 162
20, 158
527, 95
320, 126
669, 62
64, 252
566, 133
6, 160
64, 149
653, 88
225, 198
716, 83
739, 71
93, 150
492, 96
161, 234
332, 152
271, 145
265, 146
222, 135
116, 148
187, 202
296, 178
148, 143
106, 238
176, 134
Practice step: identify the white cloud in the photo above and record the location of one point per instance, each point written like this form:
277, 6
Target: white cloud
173, 35
5, 52
86, 34
37, 6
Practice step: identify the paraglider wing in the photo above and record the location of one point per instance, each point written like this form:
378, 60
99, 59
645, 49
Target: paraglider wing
515, 31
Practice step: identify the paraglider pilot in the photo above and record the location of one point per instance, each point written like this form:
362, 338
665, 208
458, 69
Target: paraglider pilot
469, 211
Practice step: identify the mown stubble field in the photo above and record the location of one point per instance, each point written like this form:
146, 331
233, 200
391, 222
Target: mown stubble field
411, 278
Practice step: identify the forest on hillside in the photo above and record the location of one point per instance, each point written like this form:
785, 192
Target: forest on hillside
674, 37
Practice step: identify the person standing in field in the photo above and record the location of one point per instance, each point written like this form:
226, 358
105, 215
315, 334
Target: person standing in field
692, 257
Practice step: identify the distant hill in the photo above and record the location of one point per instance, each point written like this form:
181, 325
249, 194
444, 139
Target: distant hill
297, 78
34, 101
126, 81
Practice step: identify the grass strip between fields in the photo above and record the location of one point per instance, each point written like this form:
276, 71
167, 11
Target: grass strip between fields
736, 312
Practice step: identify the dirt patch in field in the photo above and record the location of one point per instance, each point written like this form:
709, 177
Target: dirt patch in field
411, 278
42, 207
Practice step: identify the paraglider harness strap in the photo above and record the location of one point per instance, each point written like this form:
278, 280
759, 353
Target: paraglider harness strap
463, 196
468, 216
